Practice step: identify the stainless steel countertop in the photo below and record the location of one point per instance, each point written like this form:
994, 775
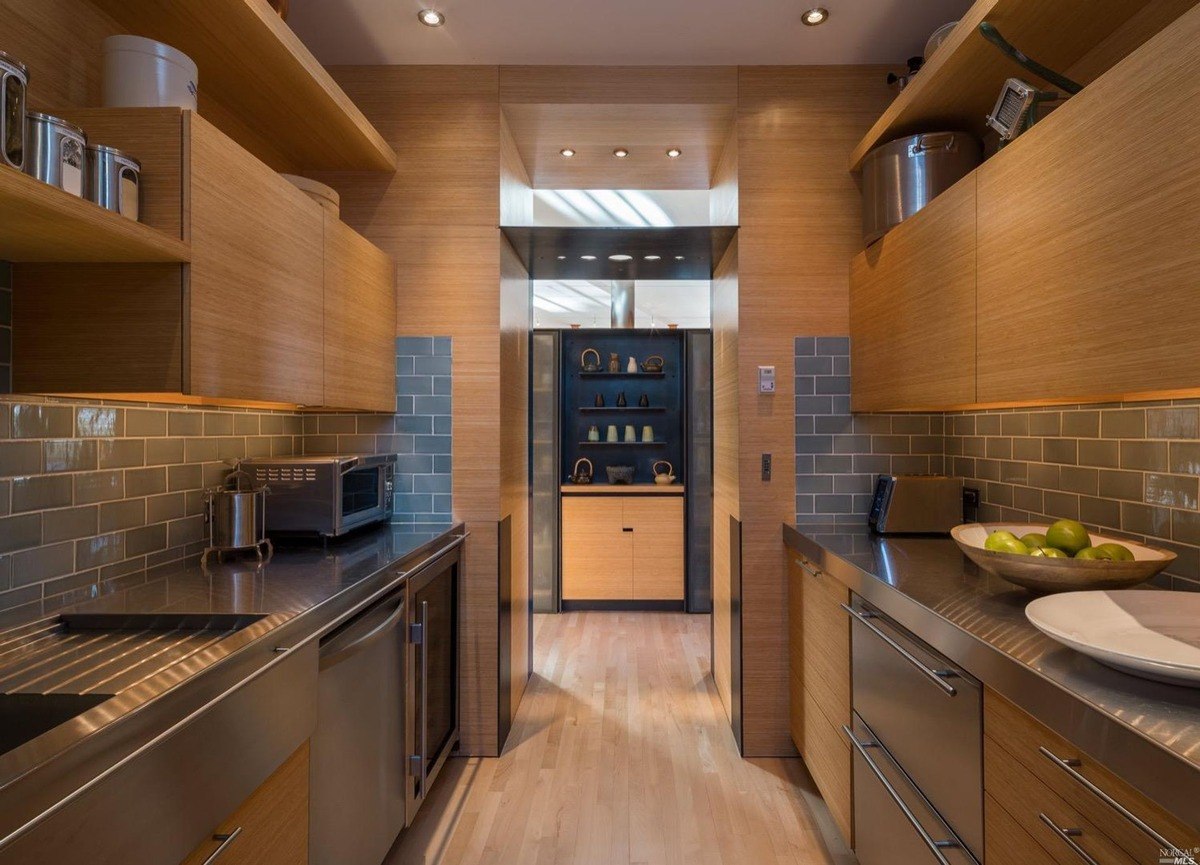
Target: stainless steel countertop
1147, 732
302, 592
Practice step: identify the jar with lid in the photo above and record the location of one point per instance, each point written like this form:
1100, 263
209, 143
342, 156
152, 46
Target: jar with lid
14, 80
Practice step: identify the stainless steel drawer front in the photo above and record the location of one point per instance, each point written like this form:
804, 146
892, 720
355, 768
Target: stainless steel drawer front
893, 822
927, 712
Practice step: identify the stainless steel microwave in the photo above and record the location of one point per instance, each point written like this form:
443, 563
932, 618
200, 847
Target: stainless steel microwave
324, 495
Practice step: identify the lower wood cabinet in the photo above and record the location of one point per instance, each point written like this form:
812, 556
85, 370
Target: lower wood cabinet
270, 827
819, 654
1040, 805
622, 548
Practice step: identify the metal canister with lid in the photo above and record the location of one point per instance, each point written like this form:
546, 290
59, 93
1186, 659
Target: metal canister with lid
55, 151
14, 80
113, 180
236, 514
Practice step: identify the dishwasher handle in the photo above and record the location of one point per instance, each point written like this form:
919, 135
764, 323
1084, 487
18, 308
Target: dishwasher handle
344, 653
935, 847
938, 677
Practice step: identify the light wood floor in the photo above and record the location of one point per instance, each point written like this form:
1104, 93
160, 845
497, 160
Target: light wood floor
621, 755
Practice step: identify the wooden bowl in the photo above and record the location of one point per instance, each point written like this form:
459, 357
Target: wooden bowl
1059, 575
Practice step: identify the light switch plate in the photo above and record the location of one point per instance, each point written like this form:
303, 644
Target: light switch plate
766, 379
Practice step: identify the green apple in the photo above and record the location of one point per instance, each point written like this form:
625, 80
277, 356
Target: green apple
997, 541
1069, 536
1117, 552
1034, 539
1094, 554
1054, 553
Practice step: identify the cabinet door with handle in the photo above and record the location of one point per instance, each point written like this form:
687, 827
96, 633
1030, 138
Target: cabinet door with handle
270, 827
597, 552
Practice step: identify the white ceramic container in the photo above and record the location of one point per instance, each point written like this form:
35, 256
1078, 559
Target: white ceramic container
142, 73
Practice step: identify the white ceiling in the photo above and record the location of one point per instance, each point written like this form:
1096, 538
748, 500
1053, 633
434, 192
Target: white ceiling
618, 32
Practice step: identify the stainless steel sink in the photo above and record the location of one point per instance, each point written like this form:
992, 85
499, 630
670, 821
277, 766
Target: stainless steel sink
24, 717
54, 670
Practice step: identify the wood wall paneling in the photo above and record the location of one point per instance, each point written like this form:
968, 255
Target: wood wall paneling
800, 218
611, 85
912, 310
1072, 233
437, 218
515, 312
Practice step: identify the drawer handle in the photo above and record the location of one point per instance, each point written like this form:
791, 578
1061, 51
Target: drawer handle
1068, 836
938, 677
808, 569
226, 840
935, 847
1069, 766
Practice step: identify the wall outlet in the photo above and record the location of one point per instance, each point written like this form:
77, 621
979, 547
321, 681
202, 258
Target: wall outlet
766, 467
766, 379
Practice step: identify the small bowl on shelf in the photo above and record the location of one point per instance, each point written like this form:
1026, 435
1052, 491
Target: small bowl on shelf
1059, 575
619, 474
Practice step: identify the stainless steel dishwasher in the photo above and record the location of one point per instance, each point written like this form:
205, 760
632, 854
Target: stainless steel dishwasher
359, 773
917, 732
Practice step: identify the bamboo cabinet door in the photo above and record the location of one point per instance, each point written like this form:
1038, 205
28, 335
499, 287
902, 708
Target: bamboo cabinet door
597, 554
912, 310
360, 321
1089, 237
657, 523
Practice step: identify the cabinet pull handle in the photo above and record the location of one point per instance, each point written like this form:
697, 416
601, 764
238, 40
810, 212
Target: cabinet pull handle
938, 677
935, 847
1068, 766
1068, 836
807, 568
226, 839
626, 530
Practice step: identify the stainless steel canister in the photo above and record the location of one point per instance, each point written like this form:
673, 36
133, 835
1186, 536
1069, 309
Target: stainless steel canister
901, 177
113, 179
236, 518
55, 151
14, 80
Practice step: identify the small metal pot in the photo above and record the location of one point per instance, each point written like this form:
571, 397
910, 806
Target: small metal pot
236, 517
113, 180
901, 177
14, 80
55, 152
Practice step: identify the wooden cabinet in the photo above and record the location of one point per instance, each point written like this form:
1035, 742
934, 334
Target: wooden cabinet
360, 321
246, 320
819, 645
1035, 778
271, 826
912, 310
1088, 230
622, 548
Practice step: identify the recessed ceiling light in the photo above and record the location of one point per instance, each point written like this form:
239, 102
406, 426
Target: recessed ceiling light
568, 152
620, 256
679, 258
562, 258
588, 257
815, 16
653, 258
431, 18
620, 153
674, 153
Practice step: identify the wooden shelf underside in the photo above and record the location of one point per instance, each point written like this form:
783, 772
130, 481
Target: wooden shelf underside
253, 65
43, 223
622, 489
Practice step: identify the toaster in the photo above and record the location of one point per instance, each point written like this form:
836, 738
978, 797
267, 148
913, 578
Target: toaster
916, 504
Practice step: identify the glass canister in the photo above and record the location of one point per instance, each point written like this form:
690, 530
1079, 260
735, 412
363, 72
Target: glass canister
113, 180
55, 151
14, 80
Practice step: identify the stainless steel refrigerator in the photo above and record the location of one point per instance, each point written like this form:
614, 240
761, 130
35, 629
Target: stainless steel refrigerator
545, 439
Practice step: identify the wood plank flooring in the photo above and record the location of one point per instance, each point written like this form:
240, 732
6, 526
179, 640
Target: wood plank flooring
622, 755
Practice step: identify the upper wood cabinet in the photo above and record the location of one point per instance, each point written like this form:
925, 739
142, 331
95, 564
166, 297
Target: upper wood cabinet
246, 320
360, 321
912, 310
1089, 238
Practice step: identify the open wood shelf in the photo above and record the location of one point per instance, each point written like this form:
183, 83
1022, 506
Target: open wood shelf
602, 489
628, 408
253, 65
621, 374
622, 444
958, 88
43, 223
